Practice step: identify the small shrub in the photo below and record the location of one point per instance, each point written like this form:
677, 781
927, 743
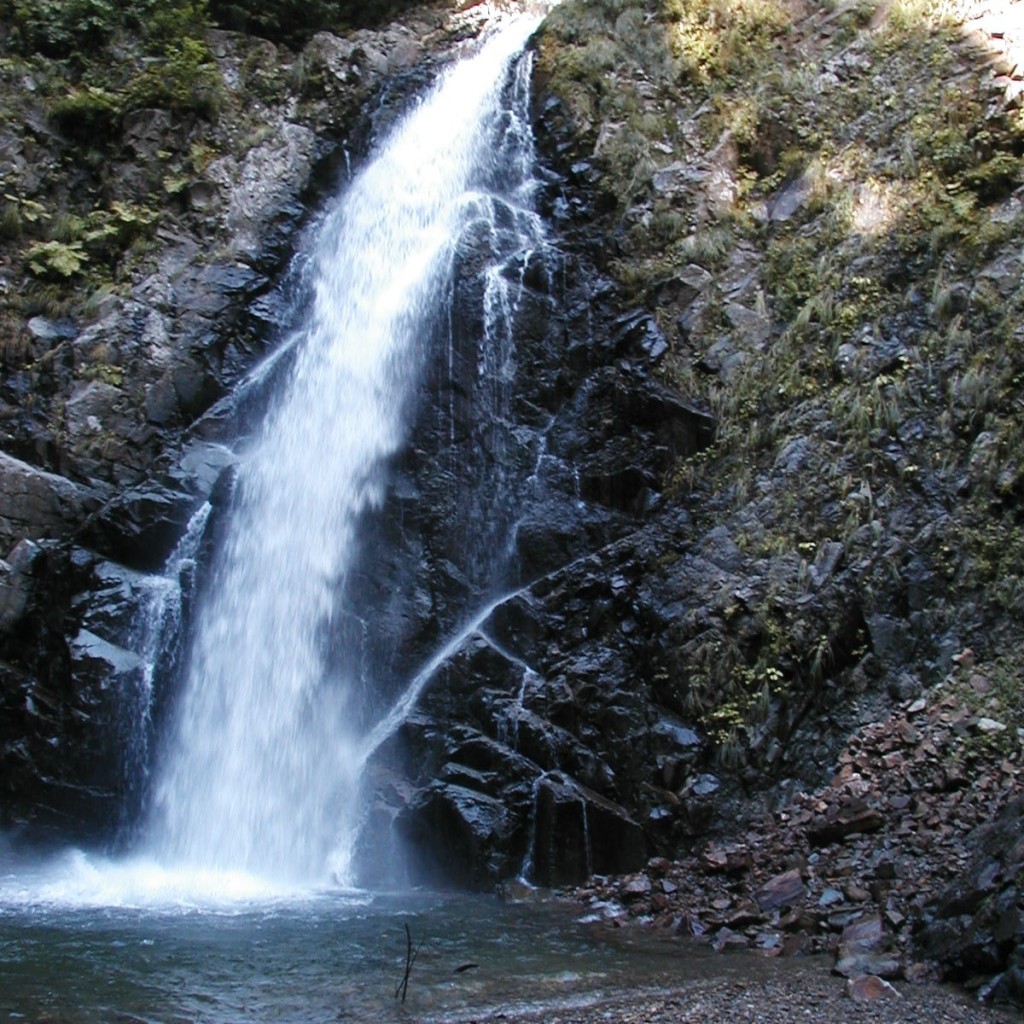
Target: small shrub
65, 28
262, 76
715, 38
27, 212
188, 81
87, 115
176, 184
11, 226
995, 178
162, 23
58, 261
59, 28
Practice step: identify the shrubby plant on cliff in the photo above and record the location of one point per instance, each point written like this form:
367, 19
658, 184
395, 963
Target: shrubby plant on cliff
89, 64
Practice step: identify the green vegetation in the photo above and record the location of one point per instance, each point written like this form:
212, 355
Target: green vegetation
186, 81
63, 28
718, 40
91, 64
78, 28
293, 22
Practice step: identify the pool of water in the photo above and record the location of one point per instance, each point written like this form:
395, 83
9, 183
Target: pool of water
108, 943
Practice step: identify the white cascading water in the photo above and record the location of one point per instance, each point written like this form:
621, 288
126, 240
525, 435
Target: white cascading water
261, 774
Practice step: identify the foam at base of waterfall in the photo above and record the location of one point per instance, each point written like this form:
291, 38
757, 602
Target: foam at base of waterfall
76, 878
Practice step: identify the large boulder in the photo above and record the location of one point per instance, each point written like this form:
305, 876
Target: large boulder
458, 837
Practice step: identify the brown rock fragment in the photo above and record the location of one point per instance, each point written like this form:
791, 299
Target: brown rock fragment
868, 988
785, 890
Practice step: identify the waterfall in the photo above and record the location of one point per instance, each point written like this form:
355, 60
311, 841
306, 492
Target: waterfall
261, 772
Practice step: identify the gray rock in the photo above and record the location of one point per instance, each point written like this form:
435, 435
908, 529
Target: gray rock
866, 935
674, 736
719, 547
891, 640
882, 965
794, 456
752, 327
789, 199
36, 504
704, 785
94, 408
869, 988
676, 178
50, 331
830, 897
15, 584
637, 888
269, 180
696, 277
989, 725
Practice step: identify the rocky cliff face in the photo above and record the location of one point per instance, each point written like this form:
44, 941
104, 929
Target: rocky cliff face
755, 452
833, 262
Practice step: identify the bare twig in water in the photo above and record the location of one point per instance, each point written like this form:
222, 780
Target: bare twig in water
410, 959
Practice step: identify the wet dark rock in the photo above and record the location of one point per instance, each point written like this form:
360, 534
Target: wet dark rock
457, 832
577, 833
16, 583
640, 336
141, 525
976, 927
61, 754
37, 504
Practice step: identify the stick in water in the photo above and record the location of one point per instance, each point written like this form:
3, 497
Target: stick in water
410, 959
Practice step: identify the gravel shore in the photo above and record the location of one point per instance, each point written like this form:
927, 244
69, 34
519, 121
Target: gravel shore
813, 995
